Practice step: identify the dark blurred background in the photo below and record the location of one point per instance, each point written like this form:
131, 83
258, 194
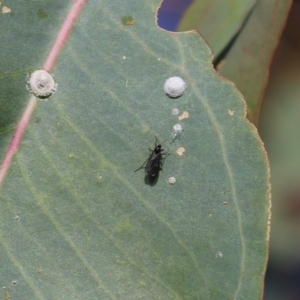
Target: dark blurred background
279, 128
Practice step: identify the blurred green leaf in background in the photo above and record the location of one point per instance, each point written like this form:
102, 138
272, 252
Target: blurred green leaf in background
279, 123
217, 21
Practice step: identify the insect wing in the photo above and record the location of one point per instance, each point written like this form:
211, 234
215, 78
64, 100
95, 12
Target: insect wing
153, 165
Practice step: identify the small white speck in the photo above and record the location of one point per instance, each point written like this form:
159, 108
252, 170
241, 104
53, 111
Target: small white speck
158, 59
124, 57
177, 130
172, 180
219, 254
174, 87
175, 111
14, 282
17, 218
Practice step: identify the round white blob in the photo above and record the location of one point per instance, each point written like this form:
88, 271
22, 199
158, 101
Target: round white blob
177, 128
172, 180
175, 111
219, 254
174, 86
42, 84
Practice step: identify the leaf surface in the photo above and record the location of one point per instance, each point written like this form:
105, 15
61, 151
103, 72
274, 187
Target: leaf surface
77, 222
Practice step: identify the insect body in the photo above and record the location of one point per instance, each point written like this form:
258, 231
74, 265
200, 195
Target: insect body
153, 164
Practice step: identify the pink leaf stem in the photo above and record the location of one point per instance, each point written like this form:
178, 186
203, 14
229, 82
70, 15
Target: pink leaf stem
63, 34
48, 65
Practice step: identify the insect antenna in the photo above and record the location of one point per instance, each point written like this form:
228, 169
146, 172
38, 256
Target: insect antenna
162, 142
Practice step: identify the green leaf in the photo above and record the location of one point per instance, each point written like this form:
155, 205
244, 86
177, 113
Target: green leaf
77, 222
248, 61
217, 21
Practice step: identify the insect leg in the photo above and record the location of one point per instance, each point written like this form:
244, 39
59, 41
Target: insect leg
164, 156
142, 166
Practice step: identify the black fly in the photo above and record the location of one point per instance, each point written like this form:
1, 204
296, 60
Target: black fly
154, 163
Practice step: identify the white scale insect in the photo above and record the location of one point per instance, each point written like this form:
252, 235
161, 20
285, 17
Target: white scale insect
41, 84
174, 86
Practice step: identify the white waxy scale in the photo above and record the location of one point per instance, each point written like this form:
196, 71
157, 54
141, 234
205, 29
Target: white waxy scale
41, 84
172, 180
174, 86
